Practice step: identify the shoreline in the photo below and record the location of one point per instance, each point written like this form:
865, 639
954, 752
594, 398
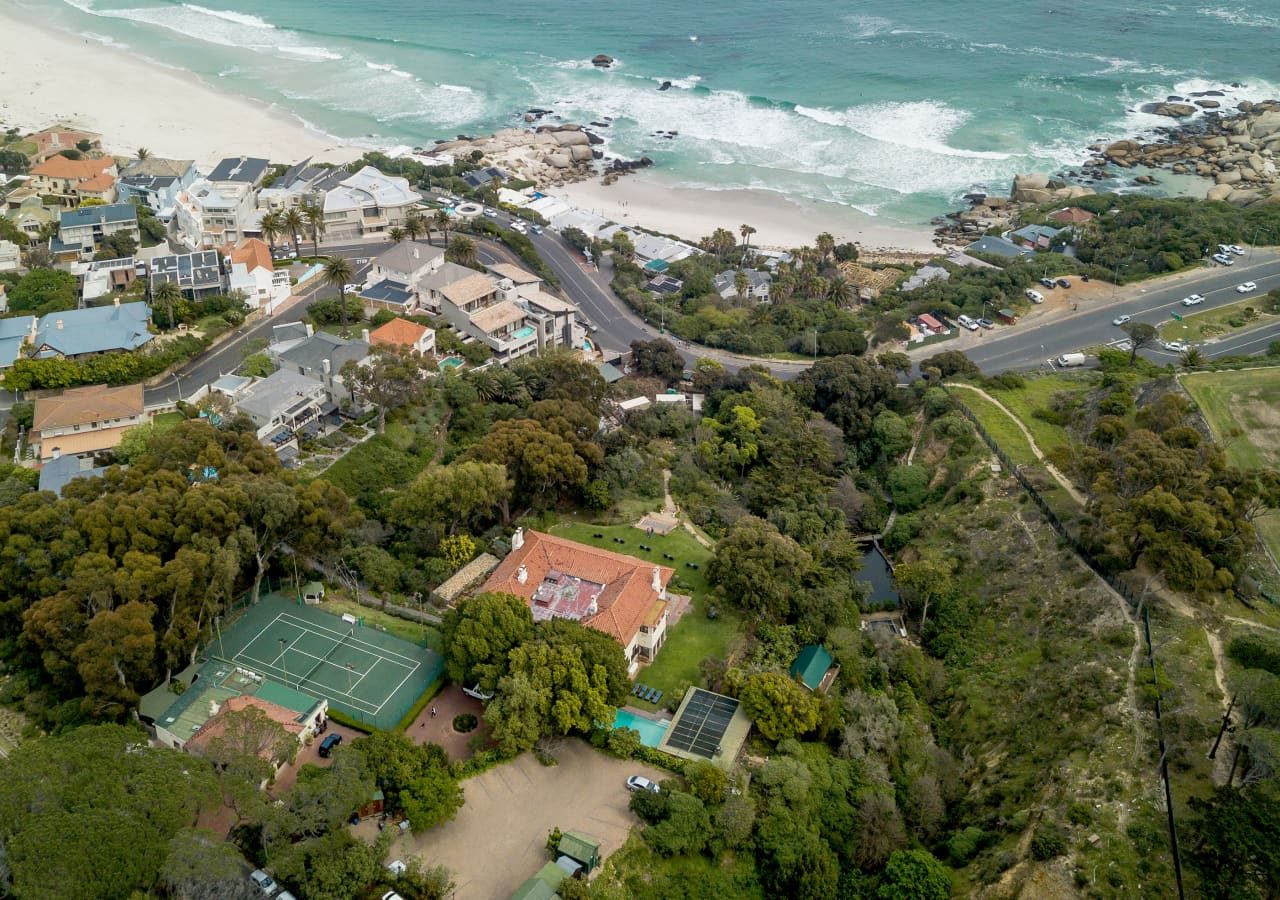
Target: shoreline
781, 222
133, 102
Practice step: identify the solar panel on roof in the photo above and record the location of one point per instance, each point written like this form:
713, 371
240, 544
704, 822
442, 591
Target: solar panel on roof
702, 724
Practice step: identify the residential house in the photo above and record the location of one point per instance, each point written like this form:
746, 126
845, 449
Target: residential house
302, 183
1037, 237
52, 141
394, 276
367, 202
252, 272
815, 668
85, 420
400, 334
30, 216
924, 275
621, 596
61, 470
486, 311
390, 295
81, 232
233, 387
430, 288
73, 181
1072, 215
295, 722
758, 284
481, 177
156, 183
284, 401
996, 246
321, 356
191, 719
76, 333
197, 275
14, 333
211, 215
244, 170
556, 320
103, 277
10, 256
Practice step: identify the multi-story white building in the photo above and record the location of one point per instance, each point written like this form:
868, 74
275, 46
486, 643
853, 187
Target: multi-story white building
367, 202
211, 216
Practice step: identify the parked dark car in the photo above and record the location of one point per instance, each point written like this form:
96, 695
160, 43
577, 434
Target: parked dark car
327, 745
1048, 282
1062, 282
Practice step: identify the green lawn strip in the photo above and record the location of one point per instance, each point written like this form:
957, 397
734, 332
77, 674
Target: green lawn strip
165, 421
689, 642
1269, 531
1003, 429
1237, 400
413, 632
1216, 322
1038, 394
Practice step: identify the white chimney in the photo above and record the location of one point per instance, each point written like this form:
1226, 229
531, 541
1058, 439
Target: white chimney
522, 574
517, 539
326, 366
657, 580
58, 324
417, 254
57, 452
310, 330
364, 335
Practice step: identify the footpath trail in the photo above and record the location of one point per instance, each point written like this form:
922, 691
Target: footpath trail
669, 508
1039, 454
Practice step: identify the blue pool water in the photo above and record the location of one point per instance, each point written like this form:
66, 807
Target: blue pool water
521, 333
451, 362
651, 733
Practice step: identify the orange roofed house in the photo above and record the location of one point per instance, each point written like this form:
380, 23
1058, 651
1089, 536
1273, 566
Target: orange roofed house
401, 334
85, 420
74, 181
622, 596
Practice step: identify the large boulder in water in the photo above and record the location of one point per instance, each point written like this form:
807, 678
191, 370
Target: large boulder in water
602, 61
1032, 188
1174, 110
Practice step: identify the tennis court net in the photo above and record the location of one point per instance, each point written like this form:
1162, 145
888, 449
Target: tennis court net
324, 659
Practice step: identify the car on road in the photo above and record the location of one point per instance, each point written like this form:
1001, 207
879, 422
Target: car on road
1064, 283
490, 213
351, 288
263, 882
986, 323
1223, 260
1048, 282
1035, 296
1121, 320
1247, 288
640, 783
967, 322
1193, 300
536, 229
1174, 346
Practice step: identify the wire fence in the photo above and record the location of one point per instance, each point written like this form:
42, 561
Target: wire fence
1120, 587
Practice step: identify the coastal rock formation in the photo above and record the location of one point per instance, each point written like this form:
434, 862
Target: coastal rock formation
602, 61
1174, 110
548, 155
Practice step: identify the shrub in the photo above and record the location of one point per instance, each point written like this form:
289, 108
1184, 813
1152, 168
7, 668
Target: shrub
1256, 651
464, 723
1048, 842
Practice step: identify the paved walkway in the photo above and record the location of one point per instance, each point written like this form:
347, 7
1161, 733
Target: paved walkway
1052, 469
439, 729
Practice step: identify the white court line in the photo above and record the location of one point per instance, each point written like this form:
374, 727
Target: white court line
381, 651
353, 701
397, 689
261, 633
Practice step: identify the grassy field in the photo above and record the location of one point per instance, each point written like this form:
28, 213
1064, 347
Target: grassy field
1243, 410
1038, 394
165, 421
1216, 322
1002, 429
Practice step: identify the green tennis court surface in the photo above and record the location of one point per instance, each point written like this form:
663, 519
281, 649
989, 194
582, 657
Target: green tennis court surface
367, 674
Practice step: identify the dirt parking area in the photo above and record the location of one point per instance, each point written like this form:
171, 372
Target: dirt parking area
499, 838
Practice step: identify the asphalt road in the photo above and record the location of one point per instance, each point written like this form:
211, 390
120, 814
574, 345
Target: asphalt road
1015, 347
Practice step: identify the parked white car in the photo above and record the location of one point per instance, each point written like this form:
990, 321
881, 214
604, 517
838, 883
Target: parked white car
1247, 288
1223, 260
1035, 296
1231, 248
1193, 300
640, 783
1174, 346
1121, 320
967, 322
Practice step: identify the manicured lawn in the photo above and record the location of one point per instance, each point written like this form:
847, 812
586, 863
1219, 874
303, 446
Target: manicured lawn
693, 639
1216, 322
401, 628
165, 421
678, 543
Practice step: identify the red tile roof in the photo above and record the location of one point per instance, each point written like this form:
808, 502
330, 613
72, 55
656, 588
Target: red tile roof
1072, 215
397, 333
98, 184
77, 169
628, 597
253, 253
217, 724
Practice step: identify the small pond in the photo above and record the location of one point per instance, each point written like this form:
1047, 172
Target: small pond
876, 574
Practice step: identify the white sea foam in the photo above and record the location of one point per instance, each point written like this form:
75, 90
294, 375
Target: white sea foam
228, 15
868, 26
1241, 15
387, 67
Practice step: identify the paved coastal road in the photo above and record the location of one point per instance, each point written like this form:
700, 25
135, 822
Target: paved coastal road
1016, 347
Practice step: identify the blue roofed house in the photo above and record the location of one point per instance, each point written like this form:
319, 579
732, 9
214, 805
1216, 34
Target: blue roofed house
1037, 237
95, 329
997, 246
82, 231
156, 183
815, 668
13, 334
61, 470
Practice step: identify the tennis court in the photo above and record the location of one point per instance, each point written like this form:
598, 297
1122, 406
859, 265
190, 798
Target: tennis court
365, 673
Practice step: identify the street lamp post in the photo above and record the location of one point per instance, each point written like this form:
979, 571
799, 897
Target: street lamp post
283, 642
217, 625
815, 346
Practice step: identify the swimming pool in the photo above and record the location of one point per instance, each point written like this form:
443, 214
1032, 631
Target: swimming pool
651, 732
451, 362
521, 333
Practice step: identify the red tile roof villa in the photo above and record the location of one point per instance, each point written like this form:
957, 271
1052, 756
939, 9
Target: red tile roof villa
624, 597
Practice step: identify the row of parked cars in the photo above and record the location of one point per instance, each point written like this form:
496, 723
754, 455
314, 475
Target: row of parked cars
1225, 252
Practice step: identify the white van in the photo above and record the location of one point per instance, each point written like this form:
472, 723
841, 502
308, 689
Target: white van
967, 322
1070, 360
1035, 296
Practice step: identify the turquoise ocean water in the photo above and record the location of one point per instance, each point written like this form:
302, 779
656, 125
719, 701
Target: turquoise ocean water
894, 108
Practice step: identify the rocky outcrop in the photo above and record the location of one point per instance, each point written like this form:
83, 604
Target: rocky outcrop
1033, 188
548, 155
1174, 110
602, 61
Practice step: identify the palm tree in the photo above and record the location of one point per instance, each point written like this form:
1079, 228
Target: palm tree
142, 153
826, 245
396, 234
839, 290
441, 221
746, 231
511, 387
168, 293
461, 250
414, 226
740, 283
314, 215
485, 383
271, 226
338, 272
1193, 358
293, 221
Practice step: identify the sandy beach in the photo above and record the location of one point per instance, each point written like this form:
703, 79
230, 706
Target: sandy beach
642, 199
54, 77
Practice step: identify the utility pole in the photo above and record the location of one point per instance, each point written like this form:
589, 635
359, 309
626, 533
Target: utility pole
217, 625
1226, 722
284, 643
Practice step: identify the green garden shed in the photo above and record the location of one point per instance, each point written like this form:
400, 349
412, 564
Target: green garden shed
815, 668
